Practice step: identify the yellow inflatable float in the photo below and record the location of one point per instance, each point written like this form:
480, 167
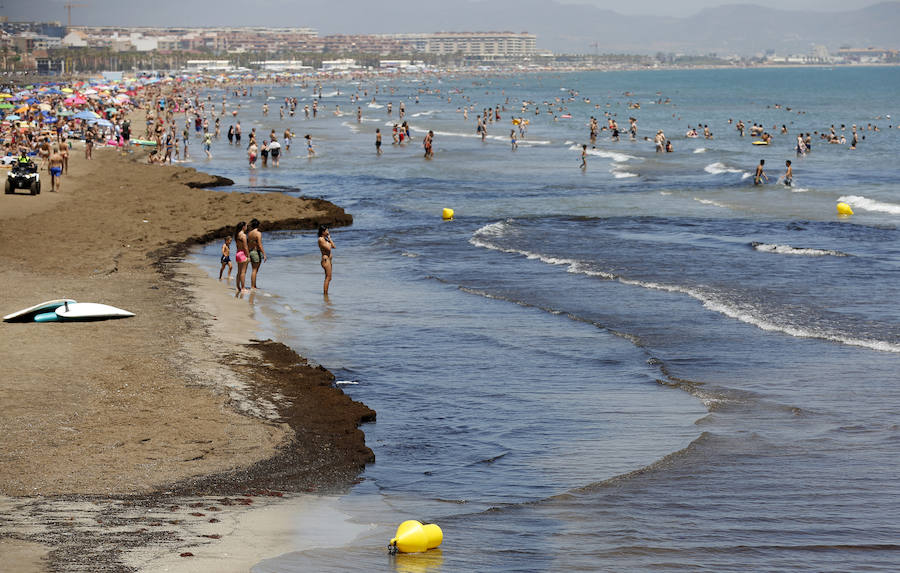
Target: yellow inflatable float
447, 214
415, 537
844, 209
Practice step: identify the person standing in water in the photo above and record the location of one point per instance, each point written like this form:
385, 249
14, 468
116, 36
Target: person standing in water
241, 256
789, 173
760, 174
226, 257
326, 247
256, 251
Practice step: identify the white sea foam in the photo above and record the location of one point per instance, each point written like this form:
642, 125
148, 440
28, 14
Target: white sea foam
710, 300
711, 202
870, 204
799, 190
346, 382
614, 155
375, 105
719, 168
620, 173
502, 138
425, 113
789, 250
700, 150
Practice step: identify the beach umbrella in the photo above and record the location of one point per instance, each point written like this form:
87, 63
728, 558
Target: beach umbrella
5, 95
5, 105
44, 107
101, 122
111, 110
32, 100
64, 113
12, 117
86, 115
67, 90
48, 119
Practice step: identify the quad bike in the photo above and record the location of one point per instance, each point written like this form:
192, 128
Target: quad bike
23, 175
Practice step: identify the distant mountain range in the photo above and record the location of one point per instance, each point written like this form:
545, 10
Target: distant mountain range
743, 29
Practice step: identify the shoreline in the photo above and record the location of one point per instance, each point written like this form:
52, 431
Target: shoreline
163, 405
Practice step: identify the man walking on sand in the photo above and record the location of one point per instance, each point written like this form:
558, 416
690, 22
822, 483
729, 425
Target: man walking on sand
55, 163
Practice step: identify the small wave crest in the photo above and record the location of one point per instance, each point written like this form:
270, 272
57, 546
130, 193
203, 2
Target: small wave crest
614, 155
486, 237
789, 250
711, 202
700, 150
718, 168
620, 173
870, 204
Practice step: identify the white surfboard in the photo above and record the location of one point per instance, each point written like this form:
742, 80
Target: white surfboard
28, 314
90, 311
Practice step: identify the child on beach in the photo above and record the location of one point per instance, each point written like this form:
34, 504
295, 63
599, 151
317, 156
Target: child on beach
226, 257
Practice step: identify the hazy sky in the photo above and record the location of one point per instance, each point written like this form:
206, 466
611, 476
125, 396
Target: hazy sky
266, 12
688, 7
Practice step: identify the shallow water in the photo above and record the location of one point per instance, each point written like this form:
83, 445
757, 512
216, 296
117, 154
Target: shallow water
651, 364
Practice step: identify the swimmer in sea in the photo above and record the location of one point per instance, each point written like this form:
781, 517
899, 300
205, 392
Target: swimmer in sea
326, 246
789, 174
584, 156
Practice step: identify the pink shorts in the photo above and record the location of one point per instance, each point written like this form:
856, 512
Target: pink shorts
240, 257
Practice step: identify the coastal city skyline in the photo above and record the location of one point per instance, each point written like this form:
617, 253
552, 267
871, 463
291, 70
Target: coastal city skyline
231, 12
585, 26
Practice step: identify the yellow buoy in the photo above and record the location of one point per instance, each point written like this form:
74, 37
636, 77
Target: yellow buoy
844, 209
447, 214
414, 537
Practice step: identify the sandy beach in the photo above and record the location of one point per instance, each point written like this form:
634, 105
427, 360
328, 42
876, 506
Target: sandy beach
178, 401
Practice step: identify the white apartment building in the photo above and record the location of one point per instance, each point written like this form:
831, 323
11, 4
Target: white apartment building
487, 45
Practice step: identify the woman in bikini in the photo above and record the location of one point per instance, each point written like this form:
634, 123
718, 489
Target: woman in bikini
241, 256
326, 246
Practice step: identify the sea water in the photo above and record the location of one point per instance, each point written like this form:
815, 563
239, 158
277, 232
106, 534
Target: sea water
649, 364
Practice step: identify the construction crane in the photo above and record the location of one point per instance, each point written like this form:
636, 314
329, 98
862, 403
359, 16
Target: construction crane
69, 6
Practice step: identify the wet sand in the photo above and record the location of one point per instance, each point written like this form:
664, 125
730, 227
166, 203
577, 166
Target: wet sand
177, 401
